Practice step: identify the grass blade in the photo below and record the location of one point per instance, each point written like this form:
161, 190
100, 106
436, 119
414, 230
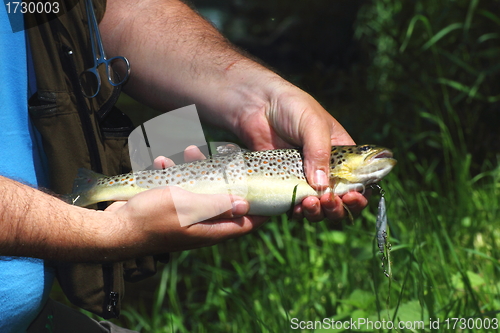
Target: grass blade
442, 33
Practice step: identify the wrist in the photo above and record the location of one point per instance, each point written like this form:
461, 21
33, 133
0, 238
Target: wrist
246, 88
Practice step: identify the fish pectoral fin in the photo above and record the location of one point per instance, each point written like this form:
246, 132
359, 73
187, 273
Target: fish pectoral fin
333, 182
294, 195
349, 214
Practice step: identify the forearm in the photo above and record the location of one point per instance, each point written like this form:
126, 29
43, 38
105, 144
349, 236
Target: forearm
36, 224
178, 58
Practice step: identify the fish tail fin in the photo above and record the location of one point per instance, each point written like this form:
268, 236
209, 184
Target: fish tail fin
83, 187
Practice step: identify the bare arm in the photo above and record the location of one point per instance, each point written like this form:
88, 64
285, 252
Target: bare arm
38, 225
178, 58
35, 224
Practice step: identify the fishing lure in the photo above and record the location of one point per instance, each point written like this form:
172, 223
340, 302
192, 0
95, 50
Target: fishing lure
381, 225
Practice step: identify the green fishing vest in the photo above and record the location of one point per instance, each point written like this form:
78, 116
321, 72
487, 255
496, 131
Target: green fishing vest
78, 132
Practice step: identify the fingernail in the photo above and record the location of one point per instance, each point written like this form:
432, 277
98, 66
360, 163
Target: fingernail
239, 207
320, 178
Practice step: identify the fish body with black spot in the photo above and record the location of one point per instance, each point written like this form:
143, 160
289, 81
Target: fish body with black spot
268, 179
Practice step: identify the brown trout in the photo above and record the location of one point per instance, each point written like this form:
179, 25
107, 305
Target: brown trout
268, 179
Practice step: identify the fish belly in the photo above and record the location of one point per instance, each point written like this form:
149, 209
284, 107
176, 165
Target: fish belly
268, 197
265, 195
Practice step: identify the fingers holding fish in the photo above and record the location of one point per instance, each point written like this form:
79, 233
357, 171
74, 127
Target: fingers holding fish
159, 215
191, 153
355, 201
317, 209
330, 207
311, 209
162, 162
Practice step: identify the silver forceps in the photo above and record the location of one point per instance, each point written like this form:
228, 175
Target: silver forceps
99, 58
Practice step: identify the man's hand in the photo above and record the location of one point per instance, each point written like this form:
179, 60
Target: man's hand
293, 118
159, 219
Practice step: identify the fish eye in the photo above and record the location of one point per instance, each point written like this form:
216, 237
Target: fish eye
364, 148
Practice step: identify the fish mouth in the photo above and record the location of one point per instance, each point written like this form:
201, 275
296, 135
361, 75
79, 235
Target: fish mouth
384, 153
382, 156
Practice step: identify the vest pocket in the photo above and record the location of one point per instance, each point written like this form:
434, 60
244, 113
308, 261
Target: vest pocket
63, 141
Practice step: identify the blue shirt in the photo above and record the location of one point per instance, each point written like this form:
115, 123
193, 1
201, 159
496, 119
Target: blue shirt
24, 282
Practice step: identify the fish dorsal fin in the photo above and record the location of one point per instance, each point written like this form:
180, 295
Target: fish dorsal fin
229, 149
